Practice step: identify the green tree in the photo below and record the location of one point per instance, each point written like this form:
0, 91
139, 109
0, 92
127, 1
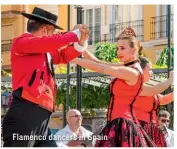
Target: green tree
163, 60
93, 97
106, 52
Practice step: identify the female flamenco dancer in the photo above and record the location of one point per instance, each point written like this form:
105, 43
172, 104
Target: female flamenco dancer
146, 107
122, 128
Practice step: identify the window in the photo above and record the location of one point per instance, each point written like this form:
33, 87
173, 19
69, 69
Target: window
97, 27
89, 21
117, 13
89, 17
164, 20
97, 16
93, 20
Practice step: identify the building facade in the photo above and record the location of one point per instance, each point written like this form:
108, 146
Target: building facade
105, 22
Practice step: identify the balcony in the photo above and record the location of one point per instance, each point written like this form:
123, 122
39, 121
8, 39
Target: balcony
159, 27
6, 45
137, 26
97, 34
5, 54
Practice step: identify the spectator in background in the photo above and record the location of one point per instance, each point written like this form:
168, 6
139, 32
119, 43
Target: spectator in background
164, 121
72, 130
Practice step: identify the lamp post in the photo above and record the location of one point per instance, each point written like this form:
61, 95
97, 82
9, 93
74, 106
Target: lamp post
66, 107
169, 106
68, 70
79, 68
169, 37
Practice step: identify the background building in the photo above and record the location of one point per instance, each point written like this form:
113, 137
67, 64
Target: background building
104, 21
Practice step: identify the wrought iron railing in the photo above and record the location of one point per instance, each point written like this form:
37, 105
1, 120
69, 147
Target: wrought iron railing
95, 79
6, 45
137, 26
159, 75
114, 30
159, 27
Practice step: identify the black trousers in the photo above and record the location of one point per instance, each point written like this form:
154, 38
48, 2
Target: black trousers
26, 125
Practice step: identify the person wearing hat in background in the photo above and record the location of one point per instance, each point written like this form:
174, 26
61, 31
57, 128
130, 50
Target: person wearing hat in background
33, 83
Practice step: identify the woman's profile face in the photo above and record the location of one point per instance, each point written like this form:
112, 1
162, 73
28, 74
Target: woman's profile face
124, 52
147, 72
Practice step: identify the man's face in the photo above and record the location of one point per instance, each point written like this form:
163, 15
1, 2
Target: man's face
74, 119
164, 120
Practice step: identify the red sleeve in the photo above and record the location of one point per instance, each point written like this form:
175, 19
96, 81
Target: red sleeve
27, 43
64, 55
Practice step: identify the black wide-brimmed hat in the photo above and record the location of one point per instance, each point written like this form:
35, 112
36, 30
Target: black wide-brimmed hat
43, 16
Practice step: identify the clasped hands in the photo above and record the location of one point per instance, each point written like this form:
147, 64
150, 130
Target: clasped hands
84, 33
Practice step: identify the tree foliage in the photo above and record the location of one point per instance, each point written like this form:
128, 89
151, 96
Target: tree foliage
163, 59
106, 52
93, 97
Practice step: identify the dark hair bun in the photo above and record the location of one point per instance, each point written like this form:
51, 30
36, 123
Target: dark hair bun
140, 51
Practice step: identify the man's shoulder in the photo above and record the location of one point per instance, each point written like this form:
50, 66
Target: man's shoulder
22, 36
86, 131
61, 132
170, 130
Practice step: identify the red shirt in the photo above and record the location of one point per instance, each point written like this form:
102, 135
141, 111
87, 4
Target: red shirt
122, 95
30, 68
145, 108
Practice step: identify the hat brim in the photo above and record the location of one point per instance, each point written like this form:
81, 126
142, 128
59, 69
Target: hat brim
37, 17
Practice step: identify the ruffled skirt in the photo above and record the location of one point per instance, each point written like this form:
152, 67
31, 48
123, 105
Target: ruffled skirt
154, 133
124, 133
